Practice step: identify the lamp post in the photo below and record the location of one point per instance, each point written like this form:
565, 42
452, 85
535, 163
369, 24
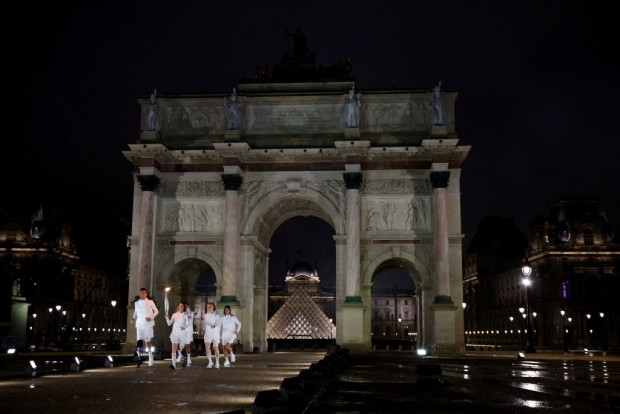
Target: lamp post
114, 322
34, 328
82, 323
58, 322
465, 323
562, 337
50, 328
527, 271
603, 331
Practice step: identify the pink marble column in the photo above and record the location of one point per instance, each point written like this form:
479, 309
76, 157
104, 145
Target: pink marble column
148, 185
353, 182
440, 180
232, 182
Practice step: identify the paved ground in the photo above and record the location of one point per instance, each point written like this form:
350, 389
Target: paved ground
477, 383
383, 382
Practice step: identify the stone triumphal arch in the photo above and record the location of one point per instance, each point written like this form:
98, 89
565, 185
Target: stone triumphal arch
216, 174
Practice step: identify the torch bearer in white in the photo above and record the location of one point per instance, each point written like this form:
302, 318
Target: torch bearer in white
166, 303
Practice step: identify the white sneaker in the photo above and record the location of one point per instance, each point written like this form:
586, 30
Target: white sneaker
217, 365
179, 358
189, 362
232, 358
210, 364
226, 363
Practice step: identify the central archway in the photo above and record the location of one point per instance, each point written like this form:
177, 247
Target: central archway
263, 217
302, 276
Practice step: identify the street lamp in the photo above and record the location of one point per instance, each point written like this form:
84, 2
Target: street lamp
465, 322
603, 331
526, 269
34, 327
562, 313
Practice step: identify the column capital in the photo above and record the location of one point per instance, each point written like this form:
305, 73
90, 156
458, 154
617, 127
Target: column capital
232, 181
229, 300
353, 180
148, 182
353, 300
443, 300
440, 179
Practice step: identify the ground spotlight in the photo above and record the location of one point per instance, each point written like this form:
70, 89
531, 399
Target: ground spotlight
75, 364
10, 351
520, 355
421, 352
31, 369
109, 362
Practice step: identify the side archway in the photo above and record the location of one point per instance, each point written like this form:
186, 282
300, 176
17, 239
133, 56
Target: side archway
193, 281
418, 271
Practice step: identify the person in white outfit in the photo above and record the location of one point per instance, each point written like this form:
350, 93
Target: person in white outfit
190, 337
230, 329
212, 334
144, 319
188, 341
179, 322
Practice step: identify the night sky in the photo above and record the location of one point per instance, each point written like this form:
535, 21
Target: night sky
538, 85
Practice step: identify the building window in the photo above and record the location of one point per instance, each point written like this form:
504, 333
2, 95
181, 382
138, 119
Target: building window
564, 262
407, 315
406, 302
566, 289
387, 302
588, 238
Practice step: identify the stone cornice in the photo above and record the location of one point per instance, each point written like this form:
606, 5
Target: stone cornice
139, 152
240, 153
348, 148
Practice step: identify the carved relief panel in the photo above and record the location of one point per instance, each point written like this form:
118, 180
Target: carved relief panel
396, 214
192, 216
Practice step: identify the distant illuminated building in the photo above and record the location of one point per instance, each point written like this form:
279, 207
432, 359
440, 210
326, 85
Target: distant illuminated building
50, 299
574, 283
299, 310
394, 315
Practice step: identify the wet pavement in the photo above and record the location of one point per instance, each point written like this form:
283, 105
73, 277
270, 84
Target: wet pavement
317, 382
477, 383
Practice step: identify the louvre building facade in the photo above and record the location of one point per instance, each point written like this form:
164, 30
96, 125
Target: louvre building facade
575, 260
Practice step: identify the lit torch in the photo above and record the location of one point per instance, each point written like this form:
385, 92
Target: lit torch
166, 303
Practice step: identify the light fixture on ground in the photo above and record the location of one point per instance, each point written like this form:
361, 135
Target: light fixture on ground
109, 362
31, 369
75, 364
526, 269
